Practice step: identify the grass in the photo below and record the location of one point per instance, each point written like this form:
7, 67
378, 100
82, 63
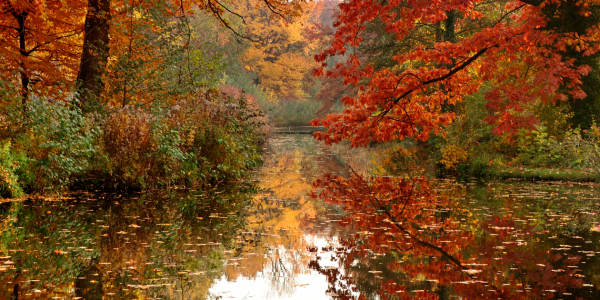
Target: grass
544, 174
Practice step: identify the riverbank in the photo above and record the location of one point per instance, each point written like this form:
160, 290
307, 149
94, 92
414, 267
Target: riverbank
409, 159
545, 174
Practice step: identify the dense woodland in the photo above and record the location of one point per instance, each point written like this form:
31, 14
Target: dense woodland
137, 94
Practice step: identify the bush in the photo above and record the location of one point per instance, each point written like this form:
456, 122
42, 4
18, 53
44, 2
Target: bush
209, 139
49, 146
590, 147
127, 145
539, 148
10, 163
482, 164
401, 159
228, 147
469, 146
58, 140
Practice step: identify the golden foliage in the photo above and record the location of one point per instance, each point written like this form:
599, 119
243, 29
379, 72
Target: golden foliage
452, 155
281, 55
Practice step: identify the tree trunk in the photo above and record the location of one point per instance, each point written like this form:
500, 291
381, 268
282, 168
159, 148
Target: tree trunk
450, 32
20, 17
15, 295
95, 53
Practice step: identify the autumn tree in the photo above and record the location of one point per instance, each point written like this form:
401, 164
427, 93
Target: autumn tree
412, 61
566, 18
509, 45
40, 42
280, 55
49, 42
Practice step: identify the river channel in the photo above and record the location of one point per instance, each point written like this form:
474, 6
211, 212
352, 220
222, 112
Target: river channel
294, 232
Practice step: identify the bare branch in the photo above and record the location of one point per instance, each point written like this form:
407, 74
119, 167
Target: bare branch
231, 12
272, 8
225, 23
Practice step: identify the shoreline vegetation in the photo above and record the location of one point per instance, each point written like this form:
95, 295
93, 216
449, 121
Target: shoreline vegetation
184, 101
105, 170
409, 158
50, 147
544, 174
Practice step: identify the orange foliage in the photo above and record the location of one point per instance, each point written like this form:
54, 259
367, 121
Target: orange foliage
40, 42
395, 103
281, 55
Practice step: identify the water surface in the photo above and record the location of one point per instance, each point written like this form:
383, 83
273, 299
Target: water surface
268, 239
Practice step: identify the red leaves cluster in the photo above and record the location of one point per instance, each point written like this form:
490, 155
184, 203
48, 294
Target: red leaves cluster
509, 50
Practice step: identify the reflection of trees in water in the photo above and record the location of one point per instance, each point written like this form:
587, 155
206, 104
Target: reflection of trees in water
281, 276
412, 244
107, 246
274, 243
275, 213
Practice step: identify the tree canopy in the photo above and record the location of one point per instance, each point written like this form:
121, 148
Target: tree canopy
79, 42
448, 50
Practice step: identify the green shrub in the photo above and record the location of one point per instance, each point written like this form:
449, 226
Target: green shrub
539, 148
10, 162
59, 140
228, 147
590, 148
50, 146
469, 147
482, 164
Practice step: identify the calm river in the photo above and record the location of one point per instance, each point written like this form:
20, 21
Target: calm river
269, 239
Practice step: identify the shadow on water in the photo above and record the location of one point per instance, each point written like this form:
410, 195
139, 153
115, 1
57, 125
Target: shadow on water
355, 237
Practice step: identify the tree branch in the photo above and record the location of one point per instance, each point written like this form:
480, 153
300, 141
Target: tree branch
218, 14
231, 12
533, 2
272, 8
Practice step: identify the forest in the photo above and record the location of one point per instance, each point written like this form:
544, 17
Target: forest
137, 94
193, 107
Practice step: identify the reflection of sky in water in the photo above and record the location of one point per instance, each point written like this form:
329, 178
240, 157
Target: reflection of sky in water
308, 284
291, 163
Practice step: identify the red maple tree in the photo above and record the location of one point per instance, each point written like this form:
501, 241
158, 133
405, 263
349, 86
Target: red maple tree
504, 44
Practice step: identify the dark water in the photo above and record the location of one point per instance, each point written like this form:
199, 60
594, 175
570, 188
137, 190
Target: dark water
464, 240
